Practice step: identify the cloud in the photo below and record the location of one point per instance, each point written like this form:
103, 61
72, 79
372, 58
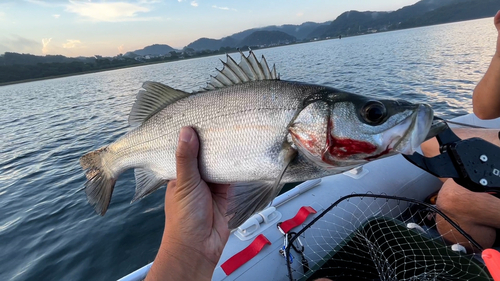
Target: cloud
45, 43
220, 8
121, 49
194, 4
56, 16
299, 14
108, 12
70, 44
223, 8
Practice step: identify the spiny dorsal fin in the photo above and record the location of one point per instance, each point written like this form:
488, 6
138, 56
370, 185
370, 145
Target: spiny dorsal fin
151, 100
249, 69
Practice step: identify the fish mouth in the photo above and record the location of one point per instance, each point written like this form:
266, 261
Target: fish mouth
415, 128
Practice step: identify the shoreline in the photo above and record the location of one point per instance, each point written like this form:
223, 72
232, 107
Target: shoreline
82, 73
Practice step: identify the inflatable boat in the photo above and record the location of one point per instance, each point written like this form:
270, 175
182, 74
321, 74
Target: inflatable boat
355, 233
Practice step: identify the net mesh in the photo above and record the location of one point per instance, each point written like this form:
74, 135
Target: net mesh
378, 237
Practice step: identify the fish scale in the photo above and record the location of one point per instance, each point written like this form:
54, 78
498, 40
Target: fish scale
255, 135
221, 131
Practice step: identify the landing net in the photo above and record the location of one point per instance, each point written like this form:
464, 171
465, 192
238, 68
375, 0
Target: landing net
378, 237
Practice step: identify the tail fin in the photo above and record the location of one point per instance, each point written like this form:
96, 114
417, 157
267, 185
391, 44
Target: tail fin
100, 180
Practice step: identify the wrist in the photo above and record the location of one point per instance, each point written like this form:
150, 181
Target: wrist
190, 263
176, 261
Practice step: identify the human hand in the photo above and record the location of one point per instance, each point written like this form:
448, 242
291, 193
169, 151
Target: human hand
195, 222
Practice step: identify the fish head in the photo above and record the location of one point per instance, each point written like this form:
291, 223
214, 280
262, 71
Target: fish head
337, 129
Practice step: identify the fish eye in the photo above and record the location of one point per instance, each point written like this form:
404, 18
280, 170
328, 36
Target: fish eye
374, 112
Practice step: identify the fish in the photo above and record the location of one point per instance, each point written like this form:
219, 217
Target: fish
257, 133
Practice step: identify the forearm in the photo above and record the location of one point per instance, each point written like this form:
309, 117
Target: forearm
178, 262
486, 97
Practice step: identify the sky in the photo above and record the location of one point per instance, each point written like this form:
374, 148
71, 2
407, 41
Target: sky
98, 27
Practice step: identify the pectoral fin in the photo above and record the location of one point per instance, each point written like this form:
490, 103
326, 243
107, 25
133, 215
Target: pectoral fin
146, 182
248, 198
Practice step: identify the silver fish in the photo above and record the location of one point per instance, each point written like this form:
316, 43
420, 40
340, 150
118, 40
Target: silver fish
256, 133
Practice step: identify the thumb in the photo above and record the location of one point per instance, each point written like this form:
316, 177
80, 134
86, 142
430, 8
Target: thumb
186, 158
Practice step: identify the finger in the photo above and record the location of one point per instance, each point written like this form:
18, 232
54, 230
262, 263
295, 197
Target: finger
186, 158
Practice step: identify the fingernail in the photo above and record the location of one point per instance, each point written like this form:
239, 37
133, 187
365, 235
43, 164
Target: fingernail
185, 135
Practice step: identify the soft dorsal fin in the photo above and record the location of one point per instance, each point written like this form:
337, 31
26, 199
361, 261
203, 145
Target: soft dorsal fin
249, 69
151, 100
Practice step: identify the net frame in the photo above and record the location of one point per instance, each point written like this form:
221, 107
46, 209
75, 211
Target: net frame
386, 215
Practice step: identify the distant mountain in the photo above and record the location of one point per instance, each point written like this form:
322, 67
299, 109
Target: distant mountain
267, 38
416, 10
212, 44
156, 49
425, 12
350, 23
300, 32
466, 10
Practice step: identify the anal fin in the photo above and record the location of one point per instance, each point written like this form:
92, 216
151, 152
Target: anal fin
146, 183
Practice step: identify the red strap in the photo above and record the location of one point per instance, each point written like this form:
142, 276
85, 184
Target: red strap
245, 255
299, 218
491, 258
